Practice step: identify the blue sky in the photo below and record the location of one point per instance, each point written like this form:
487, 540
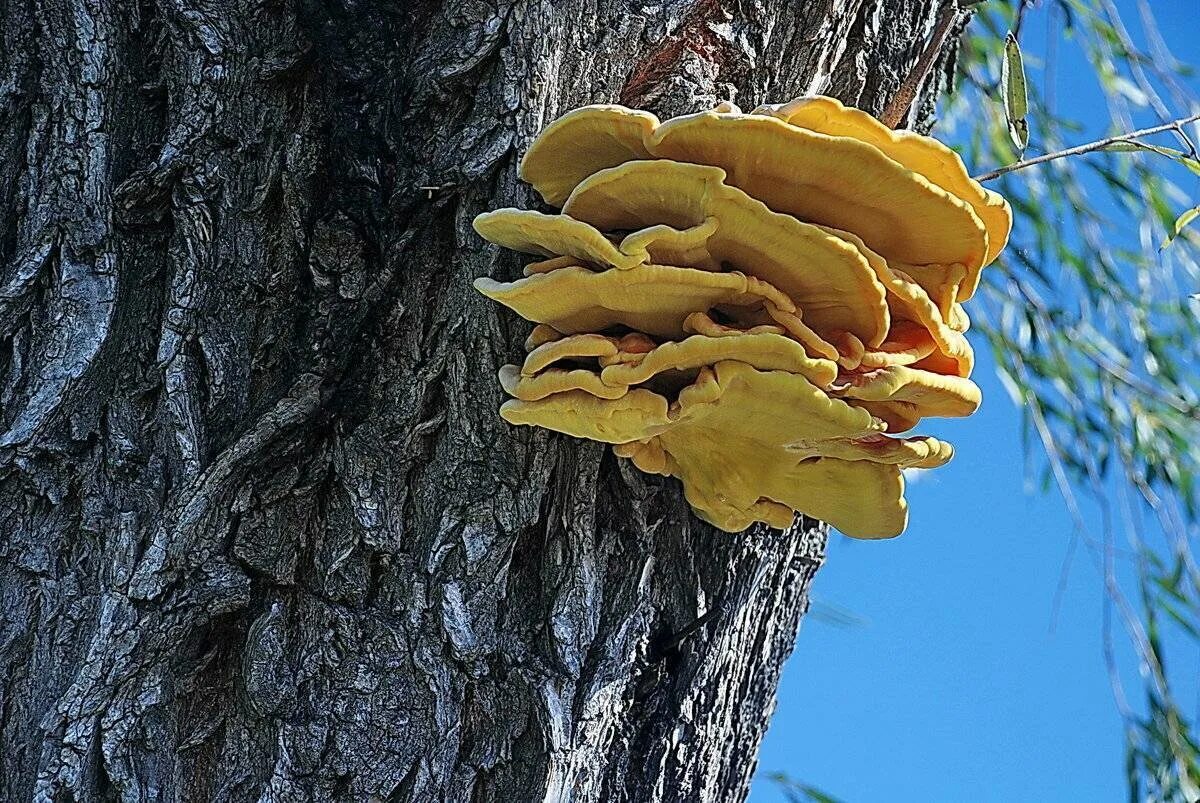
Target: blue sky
959, 682
972, 672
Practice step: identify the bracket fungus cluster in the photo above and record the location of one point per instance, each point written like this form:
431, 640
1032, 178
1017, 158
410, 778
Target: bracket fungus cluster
754, 303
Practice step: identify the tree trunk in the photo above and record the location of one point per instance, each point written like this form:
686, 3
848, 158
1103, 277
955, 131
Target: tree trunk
262, 533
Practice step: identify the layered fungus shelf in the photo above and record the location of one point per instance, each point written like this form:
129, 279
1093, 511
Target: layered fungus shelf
756, 304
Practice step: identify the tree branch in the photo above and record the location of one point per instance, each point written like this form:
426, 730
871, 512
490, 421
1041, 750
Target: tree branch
1100, 144
894, 113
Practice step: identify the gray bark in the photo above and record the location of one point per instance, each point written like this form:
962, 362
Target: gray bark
262, 533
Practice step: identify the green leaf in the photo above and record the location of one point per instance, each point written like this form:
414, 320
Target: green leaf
1181, 222
1171, 153
1134, 145
1016, 99
798, 792
1018, 130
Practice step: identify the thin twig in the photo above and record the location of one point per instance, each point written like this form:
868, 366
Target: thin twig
1016, 28
1099, 144
897, 108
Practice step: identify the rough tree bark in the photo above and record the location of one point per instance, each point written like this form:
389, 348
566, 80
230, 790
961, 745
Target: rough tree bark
262, 533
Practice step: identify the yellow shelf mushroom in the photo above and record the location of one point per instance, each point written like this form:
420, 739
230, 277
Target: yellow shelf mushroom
822, 273
918, 452
556, 380
627, 362
835, 180
710, 224
569, 241
564, 238
739, 435
923, 155
902, 395
760, 350
555, 162
754, 304
654, 299
701, 323
637, 414
572, 347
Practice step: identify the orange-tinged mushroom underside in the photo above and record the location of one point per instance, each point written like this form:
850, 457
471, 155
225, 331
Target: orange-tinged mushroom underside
908, 301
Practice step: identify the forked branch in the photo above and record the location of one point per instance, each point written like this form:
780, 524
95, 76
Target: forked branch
1098, 145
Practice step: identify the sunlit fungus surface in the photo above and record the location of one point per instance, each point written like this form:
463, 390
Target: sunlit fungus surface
756, 304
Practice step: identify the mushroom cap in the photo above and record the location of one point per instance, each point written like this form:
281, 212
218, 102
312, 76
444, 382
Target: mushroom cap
555, 380
897, 416
628, 362
912, 390
776, 408
636, 415
701, 323
942, 283
899, 212
918, 452
654, 299
570, 242
729, 438
795, 326
581, 142
766, 351
819, 487
835, 181
541, 335
647, 455
731, 448
823, 274
551, 236
665, 245
953, 350
924, 155
908, 343
958, 364
547, 265
569, 348
958, 320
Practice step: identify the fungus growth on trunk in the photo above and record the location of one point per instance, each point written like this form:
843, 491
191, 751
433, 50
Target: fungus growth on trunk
752, 303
